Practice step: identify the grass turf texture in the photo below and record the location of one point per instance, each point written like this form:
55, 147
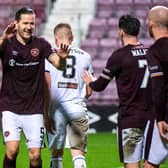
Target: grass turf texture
102, 153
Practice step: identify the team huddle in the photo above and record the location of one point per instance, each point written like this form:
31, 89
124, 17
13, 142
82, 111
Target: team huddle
47, 89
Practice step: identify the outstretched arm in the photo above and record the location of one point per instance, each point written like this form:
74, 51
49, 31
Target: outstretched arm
95, 84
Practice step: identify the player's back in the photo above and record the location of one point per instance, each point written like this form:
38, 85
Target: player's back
133, 84
158, 64
68, 85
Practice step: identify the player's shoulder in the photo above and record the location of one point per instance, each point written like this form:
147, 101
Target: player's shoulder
160, 42
118, 52
79, 51
39, 39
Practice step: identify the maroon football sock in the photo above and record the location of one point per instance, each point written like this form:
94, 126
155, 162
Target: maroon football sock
8, 163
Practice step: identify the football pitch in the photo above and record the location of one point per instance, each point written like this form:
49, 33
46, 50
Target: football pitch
102, 153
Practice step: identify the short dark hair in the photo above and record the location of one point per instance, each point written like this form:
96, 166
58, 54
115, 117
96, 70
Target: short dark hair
129, 24
24, 10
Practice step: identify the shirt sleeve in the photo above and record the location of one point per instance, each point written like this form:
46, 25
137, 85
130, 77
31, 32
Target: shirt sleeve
47, 66
158, 85
112, 67
47, 49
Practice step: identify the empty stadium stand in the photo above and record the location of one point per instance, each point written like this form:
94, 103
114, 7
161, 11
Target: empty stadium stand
102, 37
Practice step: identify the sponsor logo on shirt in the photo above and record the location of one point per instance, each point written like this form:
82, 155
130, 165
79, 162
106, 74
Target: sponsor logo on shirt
155, 67
12, 63
6, 133
35, 52
67, 85
14, 53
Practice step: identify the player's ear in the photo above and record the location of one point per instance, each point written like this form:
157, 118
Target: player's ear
16, 24
56, 40
71, 39
120, 32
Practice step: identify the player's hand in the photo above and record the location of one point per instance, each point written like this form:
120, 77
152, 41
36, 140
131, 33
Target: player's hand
163, 130
88, 77
49, 125
9, 30
63, 51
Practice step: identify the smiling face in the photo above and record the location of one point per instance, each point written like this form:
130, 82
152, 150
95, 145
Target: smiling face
25, 27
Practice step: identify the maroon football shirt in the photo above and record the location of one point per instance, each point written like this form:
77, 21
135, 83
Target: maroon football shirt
129, 67
23, 75
158, 65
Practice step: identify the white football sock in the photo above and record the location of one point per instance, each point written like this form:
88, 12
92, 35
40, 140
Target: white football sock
56, 162
79, 161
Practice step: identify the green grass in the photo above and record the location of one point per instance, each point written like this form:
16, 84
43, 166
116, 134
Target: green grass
102, 153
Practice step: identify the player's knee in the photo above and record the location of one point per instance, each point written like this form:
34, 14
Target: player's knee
150, 165
12, 152
57, 153
34, 155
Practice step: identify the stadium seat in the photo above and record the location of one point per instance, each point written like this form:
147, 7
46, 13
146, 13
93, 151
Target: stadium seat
104, 9
97, 28
7, 2
112, 33
141, 12
119, 10
124, 2
112, 23
5, 11
105, 2
106, 47
39, 2
91, 46
98, 23
24, 2
146, 41
98, 65
141, 2
160, 2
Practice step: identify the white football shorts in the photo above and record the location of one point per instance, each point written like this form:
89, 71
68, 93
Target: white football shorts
136, 146
31, 125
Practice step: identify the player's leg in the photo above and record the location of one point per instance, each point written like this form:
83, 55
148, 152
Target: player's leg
131, 146
78, 158
33, 129
56, 141
35, 157
11, 132
149, 165
155, 156
78, 138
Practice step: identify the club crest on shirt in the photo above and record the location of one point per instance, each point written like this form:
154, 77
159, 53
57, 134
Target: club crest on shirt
6, 133
12, 62
35, 52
